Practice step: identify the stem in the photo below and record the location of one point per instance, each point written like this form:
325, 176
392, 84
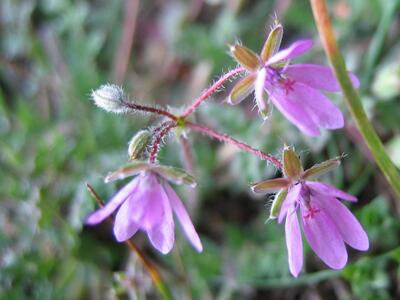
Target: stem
188, 158
157, 141
211, 90
149, 109
352, 99
227, 139
149, 266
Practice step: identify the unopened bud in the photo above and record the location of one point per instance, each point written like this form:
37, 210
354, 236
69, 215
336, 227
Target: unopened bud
291, 163
138, 145
109, 97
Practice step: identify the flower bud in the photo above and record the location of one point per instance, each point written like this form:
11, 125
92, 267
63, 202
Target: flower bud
138, 145
291, 163
109, 97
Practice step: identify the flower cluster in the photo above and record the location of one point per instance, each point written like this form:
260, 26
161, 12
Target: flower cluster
327, 223
293, 89
148, 202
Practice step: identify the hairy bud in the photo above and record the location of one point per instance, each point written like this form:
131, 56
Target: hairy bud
109, 97
138, 145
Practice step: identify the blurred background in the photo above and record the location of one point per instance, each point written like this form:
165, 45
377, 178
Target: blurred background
53, 140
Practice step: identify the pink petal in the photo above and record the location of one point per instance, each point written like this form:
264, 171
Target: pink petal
322, 111
142, 209
324, 238
152, 195
292, 110
125, 226
348, 226
317, 76
99, 215
296, 49
259, 92
290, 201
293, 242
183, 218
162, 236
327, 189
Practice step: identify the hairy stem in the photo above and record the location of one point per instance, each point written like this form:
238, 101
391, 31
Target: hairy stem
158, 139
149, 266
227, 139
149, 109
211, 90
352, 98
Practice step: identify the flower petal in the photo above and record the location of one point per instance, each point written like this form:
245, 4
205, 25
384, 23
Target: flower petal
162, 235
293, 242
183, 218
290, 200
324, 238
125, 226
141, 209
292, 110
296, 49
242, 89
327, 189
317, 76
260, 94
322, 111
99, 215
348, 226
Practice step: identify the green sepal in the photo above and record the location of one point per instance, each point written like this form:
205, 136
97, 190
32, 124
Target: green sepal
273, 42
322, 168
277, 203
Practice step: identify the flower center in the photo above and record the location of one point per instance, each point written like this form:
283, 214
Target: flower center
311, 212
305, 194
287, 85
277, 76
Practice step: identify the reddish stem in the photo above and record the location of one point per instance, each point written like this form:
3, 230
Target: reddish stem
157, 141
211, 90
227, 139
152, 110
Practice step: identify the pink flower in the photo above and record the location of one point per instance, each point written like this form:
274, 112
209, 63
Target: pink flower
147, 203
294, 89
326, 222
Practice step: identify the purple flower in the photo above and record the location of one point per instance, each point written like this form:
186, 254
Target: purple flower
326, 222
147, 202
294, 89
